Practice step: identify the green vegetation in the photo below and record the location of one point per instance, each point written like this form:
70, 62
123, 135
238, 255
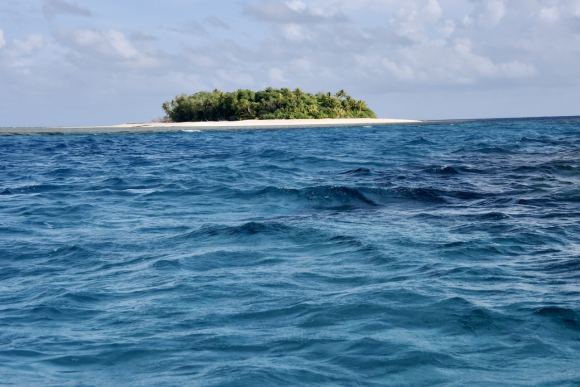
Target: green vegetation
266, 104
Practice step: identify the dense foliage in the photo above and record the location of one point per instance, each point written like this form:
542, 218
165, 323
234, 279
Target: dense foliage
266, 104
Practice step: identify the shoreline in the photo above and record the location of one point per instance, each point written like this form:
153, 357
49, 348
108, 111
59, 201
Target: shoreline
215, 125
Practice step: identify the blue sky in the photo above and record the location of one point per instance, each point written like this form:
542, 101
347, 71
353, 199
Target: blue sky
75, 62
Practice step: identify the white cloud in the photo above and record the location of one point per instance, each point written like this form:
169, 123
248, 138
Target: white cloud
467, 21
296, 5
400, 71
22, 54
28, 45
416, 43
576, 9
440, 64
110, 44
490, 12
448, 28
433, 9
549, 14
295, 32
370, 47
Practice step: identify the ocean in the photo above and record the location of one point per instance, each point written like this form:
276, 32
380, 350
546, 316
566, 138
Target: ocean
445, 253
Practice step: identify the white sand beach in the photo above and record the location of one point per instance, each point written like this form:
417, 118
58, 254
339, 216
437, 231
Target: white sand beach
270, 124
215, 125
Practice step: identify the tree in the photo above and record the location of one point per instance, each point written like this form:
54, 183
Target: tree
269, 103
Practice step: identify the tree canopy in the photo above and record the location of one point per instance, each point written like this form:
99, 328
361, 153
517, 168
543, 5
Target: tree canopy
265, 104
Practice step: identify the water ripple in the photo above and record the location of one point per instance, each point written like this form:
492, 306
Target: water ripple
446, 253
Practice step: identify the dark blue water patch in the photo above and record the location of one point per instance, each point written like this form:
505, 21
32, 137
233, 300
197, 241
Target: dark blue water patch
362, 171
419, 141
444, 253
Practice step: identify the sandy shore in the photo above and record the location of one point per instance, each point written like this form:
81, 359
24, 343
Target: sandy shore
215, 125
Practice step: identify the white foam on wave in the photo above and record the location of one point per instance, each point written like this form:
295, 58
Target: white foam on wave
140, 190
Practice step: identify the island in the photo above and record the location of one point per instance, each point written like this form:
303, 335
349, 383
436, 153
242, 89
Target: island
267, 104
244, 110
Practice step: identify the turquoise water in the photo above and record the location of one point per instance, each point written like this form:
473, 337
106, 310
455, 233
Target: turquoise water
444, 253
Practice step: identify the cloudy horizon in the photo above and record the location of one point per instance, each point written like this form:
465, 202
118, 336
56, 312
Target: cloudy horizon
65, 62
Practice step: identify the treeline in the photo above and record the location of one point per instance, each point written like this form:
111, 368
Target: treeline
265, 104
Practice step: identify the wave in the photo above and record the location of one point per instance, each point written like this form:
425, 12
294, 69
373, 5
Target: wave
420, 141
319, 197
443, 170
358, 172
248, 233
30, 189
351, 198
250, 230
245, 229
286, 257
566, 317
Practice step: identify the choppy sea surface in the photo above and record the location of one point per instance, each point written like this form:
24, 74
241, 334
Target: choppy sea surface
434, 254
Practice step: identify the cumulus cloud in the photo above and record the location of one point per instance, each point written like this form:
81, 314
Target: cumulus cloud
433, 9
110, 45
295, 32
20, 54
418, 44
549, 14
371, 48
27, 45
53, 8
490, 12
444, 65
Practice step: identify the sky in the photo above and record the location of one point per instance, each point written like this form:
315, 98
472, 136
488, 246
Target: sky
94, 62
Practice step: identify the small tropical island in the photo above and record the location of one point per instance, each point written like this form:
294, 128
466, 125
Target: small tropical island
267, 104
246, 109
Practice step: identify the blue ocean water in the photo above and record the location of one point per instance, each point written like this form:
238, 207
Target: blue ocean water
433, 254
